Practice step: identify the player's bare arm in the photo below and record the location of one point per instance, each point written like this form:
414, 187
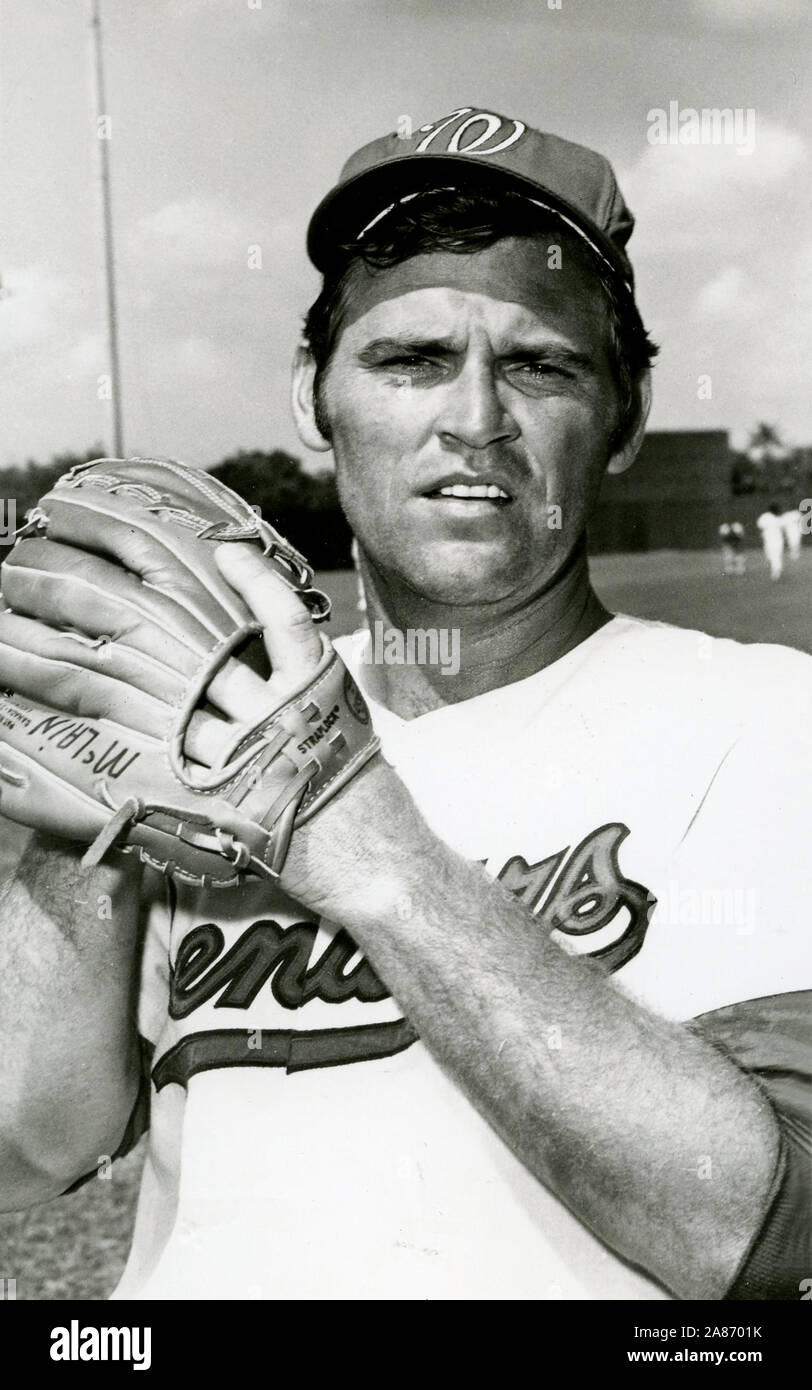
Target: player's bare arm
614, 1120
67, 1004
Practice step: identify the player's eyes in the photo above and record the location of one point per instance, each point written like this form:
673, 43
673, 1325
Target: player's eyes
423, 369
537, 376
538, 370
412, 365
406, 359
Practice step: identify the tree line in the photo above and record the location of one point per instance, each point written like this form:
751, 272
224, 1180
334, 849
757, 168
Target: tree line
769, 466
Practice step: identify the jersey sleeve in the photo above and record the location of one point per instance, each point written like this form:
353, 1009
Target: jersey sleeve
771, 1039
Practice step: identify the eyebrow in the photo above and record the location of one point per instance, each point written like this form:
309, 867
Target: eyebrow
408, 343
554, 353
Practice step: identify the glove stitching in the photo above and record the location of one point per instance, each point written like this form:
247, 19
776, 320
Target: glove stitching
137, 519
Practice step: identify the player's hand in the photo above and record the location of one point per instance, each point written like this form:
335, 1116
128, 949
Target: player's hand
292, 640
349, 852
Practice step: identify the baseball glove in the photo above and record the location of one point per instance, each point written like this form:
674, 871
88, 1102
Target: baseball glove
162, 731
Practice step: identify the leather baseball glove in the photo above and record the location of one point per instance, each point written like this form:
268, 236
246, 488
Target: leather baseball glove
139, 707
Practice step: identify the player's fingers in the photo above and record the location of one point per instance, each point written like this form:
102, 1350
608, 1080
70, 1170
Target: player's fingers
293, 643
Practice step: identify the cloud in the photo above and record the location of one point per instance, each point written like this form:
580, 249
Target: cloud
193, 9
699, 198
665, 174
731, 297
34, 307
746, 326
88, 355
198, 233
191, 358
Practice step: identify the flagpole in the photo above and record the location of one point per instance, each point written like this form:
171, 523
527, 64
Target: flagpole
107, 223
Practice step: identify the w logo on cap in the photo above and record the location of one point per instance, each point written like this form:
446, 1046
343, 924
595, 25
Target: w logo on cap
575, 184
446, 136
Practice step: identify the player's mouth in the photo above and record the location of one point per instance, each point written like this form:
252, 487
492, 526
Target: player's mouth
469, 492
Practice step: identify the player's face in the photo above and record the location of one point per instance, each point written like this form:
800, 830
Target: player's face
471, 406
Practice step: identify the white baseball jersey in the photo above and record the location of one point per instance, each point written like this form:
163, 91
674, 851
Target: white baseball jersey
772, 531
792, 526
304, 1143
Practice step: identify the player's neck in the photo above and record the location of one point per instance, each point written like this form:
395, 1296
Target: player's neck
424, 655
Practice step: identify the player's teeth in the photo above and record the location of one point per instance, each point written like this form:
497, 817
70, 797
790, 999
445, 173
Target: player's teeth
489, 490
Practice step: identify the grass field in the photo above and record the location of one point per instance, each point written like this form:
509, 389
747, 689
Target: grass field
76, 1247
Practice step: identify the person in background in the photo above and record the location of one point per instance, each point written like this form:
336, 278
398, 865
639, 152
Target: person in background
772, 538
791, 525
731, 534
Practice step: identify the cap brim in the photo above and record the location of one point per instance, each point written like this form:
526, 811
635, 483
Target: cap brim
349, 209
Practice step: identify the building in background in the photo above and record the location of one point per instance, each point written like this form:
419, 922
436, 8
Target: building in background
683, 485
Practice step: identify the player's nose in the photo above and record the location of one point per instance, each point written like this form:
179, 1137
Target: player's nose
473, 414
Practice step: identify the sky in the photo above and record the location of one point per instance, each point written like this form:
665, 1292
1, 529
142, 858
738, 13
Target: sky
230, 119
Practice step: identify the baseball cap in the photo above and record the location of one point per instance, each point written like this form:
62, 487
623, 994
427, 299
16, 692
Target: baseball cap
574, 183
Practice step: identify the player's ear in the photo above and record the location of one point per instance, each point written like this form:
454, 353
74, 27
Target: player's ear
303, 400
627, 451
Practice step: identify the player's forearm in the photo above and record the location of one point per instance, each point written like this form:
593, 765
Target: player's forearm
69, 1045
653, 1138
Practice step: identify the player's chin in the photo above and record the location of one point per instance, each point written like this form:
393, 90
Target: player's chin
465, 574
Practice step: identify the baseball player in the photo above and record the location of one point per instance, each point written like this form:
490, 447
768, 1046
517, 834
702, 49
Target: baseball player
521, 1018
772, 538
792, 525
731, 536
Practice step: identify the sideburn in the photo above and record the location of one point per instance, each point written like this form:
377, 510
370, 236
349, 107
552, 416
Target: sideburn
320, 415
